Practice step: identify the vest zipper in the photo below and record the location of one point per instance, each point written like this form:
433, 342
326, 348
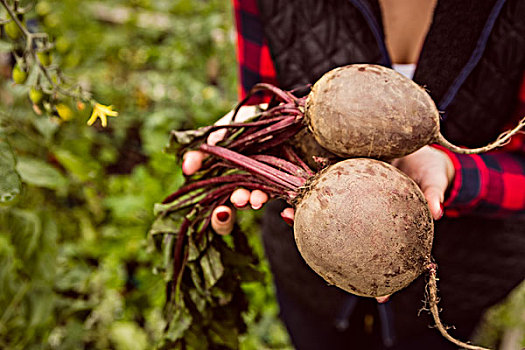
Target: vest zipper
365, 10
473, 60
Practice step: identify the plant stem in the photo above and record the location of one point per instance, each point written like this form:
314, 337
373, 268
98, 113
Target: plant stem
257, 168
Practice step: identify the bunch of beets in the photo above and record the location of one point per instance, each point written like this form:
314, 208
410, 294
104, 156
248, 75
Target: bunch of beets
360, 223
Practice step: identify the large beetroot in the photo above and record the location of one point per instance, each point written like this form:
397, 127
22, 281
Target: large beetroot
366, 110
365, 227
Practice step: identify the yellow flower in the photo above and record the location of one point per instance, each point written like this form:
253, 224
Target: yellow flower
102, 112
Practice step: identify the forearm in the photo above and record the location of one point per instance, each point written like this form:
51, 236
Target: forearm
491, 184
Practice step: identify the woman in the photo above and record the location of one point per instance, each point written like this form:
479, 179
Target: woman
471, 58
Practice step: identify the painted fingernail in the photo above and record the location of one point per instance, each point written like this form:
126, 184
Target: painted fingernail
255, 207
287, 220
223, 216
442, 210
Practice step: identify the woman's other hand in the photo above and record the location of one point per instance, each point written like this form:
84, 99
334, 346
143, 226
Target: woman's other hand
433, 170
223, 217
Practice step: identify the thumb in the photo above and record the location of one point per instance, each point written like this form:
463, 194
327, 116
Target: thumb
434, 197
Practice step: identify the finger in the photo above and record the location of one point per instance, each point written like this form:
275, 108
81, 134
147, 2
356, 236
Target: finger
434, 197
222, 220
192, 162
240, 197
383, 299
288, 215
257, 199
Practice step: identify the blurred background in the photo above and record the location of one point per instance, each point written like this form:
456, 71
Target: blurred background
77, 270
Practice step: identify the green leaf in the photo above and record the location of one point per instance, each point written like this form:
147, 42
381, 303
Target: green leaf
46, 127
128, 336
186, 137
195, 340
212, 267
9, 180
224, 334
83, 169
165, 224
198, 299
25, 229
179, 324
39, 173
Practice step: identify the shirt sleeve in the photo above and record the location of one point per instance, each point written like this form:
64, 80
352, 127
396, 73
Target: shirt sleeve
490, 184
253, 55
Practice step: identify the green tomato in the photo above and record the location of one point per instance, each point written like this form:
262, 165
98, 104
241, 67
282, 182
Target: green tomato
19, 75
45, 58
43, 8
36, 96
12, 30
62, 44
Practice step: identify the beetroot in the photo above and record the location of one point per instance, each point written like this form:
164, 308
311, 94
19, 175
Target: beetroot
373, 111
365, 110
364, 226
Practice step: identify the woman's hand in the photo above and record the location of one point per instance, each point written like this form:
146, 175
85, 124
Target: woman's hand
433, 171
223, 217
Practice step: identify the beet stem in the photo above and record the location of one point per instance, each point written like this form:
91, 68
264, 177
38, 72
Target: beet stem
292, 156
270, 130
279, 138
178, 260
281, 164
289, 181
204, 183
282, 95
433, 302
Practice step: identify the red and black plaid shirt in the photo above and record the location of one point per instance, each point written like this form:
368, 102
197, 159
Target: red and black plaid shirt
490, 184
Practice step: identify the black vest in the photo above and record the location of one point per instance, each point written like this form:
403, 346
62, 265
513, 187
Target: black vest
472, 64
472, 61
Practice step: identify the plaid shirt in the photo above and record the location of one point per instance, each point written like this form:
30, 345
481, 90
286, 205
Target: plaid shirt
490, 184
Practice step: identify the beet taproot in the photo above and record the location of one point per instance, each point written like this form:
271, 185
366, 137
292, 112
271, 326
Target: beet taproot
365, 227
366, 110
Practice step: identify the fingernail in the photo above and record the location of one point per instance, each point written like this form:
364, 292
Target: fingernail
442, 210
287, 220
223, 216
236, 205
382, 300
255, 207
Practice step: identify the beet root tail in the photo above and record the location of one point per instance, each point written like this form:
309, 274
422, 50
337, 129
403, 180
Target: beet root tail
502, 140
433, 301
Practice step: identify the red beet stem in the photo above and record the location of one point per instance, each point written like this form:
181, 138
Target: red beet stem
279, 138
257, 168
293, 157
259, 122
270, 130
204, 183
178, 260
280, 164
